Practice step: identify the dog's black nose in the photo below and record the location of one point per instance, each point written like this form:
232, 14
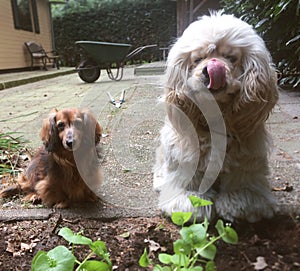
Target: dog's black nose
69, 143
205, 76
205, 72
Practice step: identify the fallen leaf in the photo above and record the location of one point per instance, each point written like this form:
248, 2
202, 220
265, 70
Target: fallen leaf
10, 246
285, 155
287, 188
153, 246
28, 247
25, 247
260, 263
125, 235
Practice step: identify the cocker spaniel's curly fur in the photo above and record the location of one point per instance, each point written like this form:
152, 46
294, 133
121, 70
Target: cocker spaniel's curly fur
219, 72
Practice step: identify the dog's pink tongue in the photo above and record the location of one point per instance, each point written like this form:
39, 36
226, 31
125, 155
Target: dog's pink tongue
217, 74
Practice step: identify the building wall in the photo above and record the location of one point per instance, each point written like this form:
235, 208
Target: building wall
189, 10
13, 53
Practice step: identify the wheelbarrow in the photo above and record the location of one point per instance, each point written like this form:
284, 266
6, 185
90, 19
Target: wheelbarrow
105, 55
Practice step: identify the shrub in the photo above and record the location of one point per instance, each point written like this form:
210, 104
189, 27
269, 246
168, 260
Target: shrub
278, 22
134, 22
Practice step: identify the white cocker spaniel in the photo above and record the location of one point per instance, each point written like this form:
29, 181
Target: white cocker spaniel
220, 88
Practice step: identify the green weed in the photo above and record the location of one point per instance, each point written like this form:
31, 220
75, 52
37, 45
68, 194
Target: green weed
61, 258
12, 146
195, 250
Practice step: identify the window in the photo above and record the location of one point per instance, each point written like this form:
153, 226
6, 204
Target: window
24, 12
35, 17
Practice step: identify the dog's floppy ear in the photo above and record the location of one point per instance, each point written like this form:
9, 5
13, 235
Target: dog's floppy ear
259, 82
259, 92
49, 132
92, 129
177, 71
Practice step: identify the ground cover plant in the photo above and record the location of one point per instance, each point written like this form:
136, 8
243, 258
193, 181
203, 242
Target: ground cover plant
276, 240
61, 258
195, 249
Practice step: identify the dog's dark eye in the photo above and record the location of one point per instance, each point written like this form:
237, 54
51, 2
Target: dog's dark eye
231, 58
198, 60
60, 125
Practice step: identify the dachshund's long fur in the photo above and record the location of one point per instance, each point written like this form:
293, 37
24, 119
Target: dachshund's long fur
66, 169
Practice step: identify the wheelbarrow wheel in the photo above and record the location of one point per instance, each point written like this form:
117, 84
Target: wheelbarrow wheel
88, 72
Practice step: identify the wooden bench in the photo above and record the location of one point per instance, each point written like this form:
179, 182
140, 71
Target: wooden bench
38, 54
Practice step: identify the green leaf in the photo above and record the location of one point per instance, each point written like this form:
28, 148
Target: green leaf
164, 258
180, 246
210, 266
292, 40
179, 260
160, 227
99, 248
39, 261
261, 22
180, 218
208, 252
228, 234
196, 268
94, 265
198, 202
281, 7
76, 239
144, 260
205, 223
159, 268
231, 237
194, 234
220, 227
57, 259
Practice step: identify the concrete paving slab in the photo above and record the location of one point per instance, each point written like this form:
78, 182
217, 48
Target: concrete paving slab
14, 79
155, 68
284, 126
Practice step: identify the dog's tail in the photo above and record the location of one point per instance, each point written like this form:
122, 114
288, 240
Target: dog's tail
10, 191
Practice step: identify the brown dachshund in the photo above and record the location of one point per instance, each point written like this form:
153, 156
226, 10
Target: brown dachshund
66, 170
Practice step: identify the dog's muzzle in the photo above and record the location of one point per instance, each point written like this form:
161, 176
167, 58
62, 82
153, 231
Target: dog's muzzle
70, 142
214, 74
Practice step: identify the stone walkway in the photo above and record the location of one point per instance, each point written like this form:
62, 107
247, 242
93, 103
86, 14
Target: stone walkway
131, 133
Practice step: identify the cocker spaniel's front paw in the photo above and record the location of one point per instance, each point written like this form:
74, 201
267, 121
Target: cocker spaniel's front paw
182, 203
245, 205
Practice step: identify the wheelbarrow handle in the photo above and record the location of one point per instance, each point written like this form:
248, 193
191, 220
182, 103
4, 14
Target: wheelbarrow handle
138, 50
